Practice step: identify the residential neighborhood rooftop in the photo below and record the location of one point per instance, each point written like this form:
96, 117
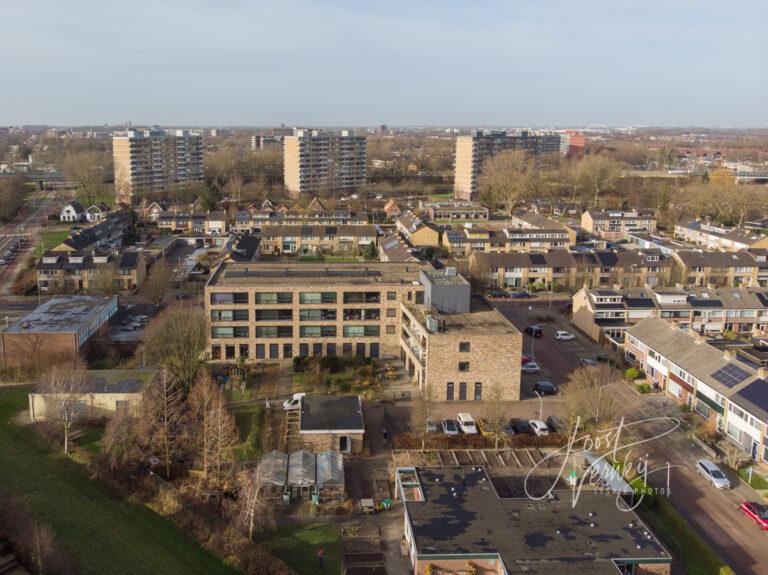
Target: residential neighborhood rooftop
65, 314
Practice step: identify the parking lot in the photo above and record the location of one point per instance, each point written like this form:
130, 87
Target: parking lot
555, 358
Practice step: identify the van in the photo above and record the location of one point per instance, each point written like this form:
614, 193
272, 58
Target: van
467, 424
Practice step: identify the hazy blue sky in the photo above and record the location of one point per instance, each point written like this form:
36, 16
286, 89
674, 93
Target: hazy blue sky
344, 62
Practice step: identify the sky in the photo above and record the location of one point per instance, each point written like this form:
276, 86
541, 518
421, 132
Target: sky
560, 63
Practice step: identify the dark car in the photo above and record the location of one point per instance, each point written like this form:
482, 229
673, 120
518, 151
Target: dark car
545, 388
520, 295
534, 331
520, 426
603, 358
498, 293
555, 424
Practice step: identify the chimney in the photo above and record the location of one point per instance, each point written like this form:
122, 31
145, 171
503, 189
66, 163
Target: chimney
762, 372
729, 354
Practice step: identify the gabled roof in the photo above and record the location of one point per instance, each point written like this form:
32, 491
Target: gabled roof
76, 206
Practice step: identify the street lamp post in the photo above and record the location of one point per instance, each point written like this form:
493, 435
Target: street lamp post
541, 404
599, 393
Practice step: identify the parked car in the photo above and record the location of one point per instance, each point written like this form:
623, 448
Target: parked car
466, 423
545, 387
538, 427
3, 261
450, 427
555, 424
521, 295
520, 426
712, 473
603, 358
757, 513
530, 367
534, 331
525, 359
508, 430
586, 362
294, 402
498, 293
564, 336
431, 426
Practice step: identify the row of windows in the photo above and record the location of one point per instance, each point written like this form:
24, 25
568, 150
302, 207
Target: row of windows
304, 331
273, 350
219, 298
450, 391
304, 314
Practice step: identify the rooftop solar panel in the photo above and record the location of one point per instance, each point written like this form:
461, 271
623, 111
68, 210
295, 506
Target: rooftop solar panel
538, 259
756, 393
730, 375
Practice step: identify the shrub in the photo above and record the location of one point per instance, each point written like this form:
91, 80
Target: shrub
331, 363
632, 373
643, 388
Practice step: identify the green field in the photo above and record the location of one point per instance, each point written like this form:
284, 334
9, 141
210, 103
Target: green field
50, 239
101, 533
298, 547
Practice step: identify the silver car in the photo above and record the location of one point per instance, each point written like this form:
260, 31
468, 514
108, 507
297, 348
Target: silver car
712, 473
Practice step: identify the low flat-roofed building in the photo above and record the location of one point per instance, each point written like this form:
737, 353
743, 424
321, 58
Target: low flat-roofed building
331, 422
455, 211
454, 518
57, 330
107, 392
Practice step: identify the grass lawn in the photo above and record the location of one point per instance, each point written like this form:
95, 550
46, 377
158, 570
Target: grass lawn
298, 546
101, 533
758, 481
250, 420
49, 239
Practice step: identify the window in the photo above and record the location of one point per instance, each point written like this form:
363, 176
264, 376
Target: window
478, 391
244, 350
733, 431
274, 297
390, 329
274, 331
463, 366
464, 346
346, 349
218, 298
702, 408
449, 391
391, 312
122, 406
361, 314
215, 352
391, 295
287, 351
229, 352
274, 315
317, 314
317, 349
229, 315
674, 389
236, 331
260, 351
330, 349
462, 391
303, 350
361, 330
362, 297
317, 297
317, 331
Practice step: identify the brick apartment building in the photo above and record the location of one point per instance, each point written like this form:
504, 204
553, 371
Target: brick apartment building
262, 311
614, 225
308, 239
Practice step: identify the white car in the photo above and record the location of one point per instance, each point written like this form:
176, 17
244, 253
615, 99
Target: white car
530, 367
712, 473
467, 424
538, 427
294, 402
564, 336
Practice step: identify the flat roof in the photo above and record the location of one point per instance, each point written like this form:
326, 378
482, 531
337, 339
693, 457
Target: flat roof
119, 380
482, 319
63, 314
246, 274
331, 413
462, 514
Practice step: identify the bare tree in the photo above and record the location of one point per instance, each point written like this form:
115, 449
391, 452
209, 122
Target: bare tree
588, 398
421, 415
87, 169
508, 178
64, 387
121, 443
211, 430
496, 415
105, 284
160, 423
175, 340
41, 546
596, 175
157, 281
254, 508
